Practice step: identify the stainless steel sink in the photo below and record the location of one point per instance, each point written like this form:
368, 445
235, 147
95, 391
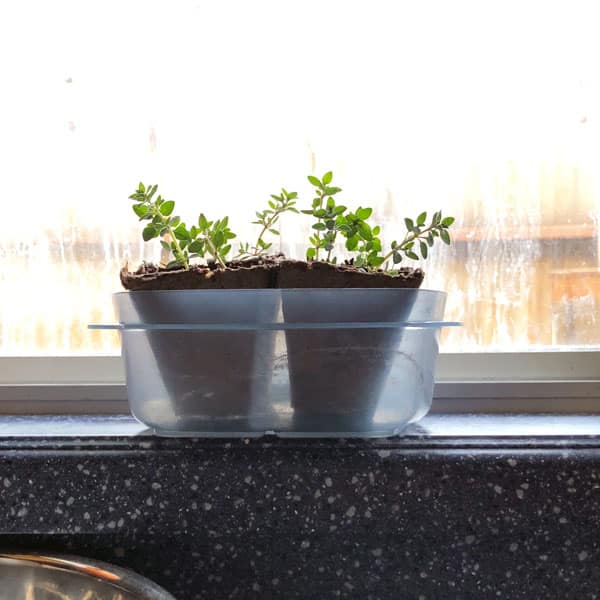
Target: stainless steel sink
43, 577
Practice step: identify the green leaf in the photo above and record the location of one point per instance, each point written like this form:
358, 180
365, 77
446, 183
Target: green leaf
140, 209
166, 208
423, 246
430, 239
339, 210
411, 254
364, 213
327, 178
196, 246
314, 180
330, 223
409, 224
319, 226
331, 191
274, 231
376, 261
311, 253
376, 230
307, 212
218, 238
445, 236
181, 233
447, 221
422, 218
149, 233
330, 203
437, 217
165, 245
203, 222
396, 258
352, 243
225, 250
365, 231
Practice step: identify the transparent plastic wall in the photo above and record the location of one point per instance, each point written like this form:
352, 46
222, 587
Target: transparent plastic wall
413, 106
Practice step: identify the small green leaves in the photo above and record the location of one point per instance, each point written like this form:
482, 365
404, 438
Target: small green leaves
183, 243
149, 233
280, 203
140, 210
423, 234
212, 239
166, 208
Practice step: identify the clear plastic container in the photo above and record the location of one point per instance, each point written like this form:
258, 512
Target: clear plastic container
291, 362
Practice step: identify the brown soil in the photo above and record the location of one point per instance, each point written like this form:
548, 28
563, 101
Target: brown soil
300, 274
267, 272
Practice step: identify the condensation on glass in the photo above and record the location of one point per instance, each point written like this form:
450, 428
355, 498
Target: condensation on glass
238, 100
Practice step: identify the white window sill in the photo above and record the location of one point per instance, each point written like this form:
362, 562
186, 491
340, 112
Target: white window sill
432, 431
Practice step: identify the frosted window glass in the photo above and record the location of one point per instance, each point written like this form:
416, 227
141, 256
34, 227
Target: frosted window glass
487, 110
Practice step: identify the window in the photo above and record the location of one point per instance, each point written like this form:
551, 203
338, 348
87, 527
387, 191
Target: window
486, 110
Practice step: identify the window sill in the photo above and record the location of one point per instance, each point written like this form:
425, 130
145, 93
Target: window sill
434, 431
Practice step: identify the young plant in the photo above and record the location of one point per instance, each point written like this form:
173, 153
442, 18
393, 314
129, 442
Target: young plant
361, 238
158, 211
420, 237
210, 237
325, 210
268, 218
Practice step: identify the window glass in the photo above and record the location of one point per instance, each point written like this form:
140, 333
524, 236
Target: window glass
487, 111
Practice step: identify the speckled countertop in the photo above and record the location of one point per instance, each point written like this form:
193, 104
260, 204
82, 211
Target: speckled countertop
460, 507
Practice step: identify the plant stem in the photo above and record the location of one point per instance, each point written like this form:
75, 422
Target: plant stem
267, 225
176, 248
319, 220
409, 237
213, 251
329, 251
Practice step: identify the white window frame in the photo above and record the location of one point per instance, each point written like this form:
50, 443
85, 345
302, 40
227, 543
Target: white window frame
503, 382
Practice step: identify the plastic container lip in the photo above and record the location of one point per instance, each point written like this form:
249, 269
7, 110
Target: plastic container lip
279, 290
273, 326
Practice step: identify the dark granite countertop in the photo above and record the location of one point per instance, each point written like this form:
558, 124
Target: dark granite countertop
458, 507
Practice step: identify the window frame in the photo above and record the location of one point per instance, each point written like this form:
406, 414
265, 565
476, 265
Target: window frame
504, 382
